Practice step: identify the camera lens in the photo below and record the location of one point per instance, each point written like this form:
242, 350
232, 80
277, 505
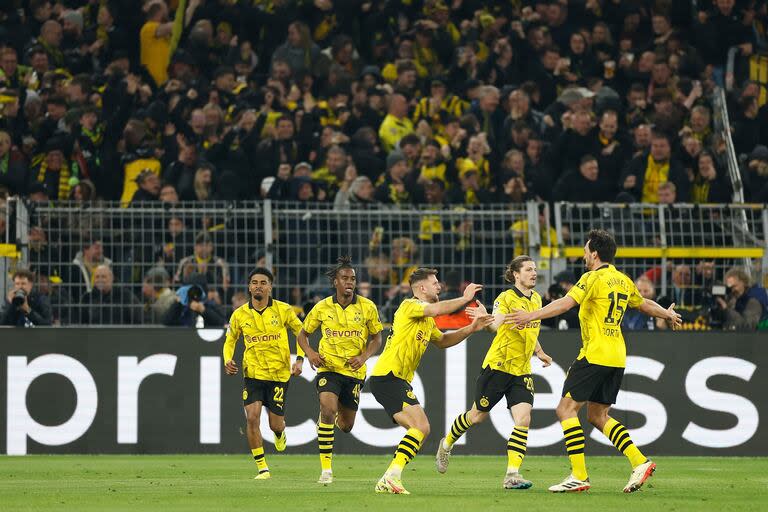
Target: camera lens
195, 293
18, 298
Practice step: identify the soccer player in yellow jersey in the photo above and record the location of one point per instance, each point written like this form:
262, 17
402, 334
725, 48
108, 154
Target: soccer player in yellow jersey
506, 372
412, 331
263, 323
351, 333
604, 294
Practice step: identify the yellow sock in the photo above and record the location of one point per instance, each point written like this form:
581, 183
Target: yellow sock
325, 444
574, 445
406, 451
460, 425
618, 435
516, 446
261, 461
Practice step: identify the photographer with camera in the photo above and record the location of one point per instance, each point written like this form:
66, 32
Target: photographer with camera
24, 307
191, 308
740, 306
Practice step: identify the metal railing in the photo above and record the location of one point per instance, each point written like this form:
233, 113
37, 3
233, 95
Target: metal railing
299, 241
654, 239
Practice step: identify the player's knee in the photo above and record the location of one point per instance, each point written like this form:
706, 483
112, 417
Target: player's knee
597, 418
253, 420
523, 421
563, 412
344, 426
476, 416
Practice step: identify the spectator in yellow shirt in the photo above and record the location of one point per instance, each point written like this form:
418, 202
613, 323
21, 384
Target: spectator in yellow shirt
155, 38
396, 124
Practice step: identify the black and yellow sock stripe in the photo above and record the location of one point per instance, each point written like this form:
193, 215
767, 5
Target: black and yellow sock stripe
518, 440
325, 438
620, 437
409, 446
574, 440
460, 425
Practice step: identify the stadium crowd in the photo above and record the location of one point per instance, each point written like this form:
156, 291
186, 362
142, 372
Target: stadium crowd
358, 104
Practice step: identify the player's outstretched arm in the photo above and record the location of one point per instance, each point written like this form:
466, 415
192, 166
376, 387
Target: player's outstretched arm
446, 307
653, 309
481, 320
553, 309
498, 319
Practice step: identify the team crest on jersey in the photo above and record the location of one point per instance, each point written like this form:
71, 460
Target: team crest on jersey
358, 318
275, 322
245, 394
322, 382
410, 395
484, 402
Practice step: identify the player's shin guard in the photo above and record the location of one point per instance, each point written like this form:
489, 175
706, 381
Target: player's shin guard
618, 435
460, 425
407, 449
516, 446
325, 444
574, 445
261, 461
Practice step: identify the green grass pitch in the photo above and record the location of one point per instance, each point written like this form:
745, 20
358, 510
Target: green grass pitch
218, 482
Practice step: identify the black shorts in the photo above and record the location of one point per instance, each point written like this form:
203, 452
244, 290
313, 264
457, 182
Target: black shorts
268, 392
343, 386
392, 392
491, 385
587, 382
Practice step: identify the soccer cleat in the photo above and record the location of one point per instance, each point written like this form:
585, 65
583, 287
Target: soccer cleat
516, 481
281, 442
442, 457
639, 475
326, 477
571, 484
390, 485
263, 475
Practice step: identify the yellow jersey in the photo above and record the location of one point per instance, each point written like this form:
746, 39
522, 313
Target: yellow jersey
267, 355
132, 170
345, 332
392, 130
155, 52
513, 346
411, 333
604, 295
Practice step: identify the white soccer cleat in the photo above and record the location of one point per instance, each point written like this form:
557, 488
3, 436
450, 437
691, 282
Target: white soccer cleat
516, 481
263, 475
442, 457
639, 475
571, 484
390, 485
326, 477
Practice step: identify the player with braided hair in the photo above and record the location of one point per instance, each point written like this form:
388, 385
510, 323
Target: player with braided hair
351, 333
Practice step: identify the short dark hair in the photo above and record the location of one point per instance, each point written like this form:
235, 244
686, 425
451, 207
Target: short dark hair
263, 271
421, 274
203, 238
24, 273
603, 243
587, 158
341, 263
514, 266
